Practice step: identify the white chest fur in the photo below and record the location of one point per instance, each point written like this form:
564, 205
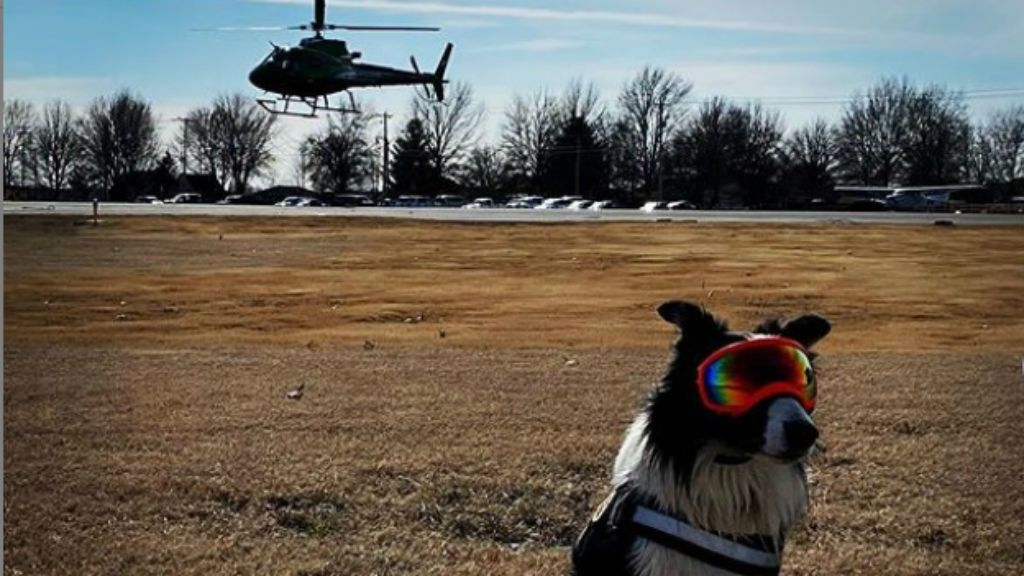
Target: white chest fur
758, 497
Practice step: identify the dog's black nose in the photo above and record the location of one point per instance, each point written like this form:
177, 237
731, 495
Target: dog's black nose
800, 435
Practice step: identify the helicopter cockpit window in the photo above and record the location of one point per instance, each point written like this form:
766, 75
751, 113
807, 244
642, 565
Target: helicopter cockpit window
277, 56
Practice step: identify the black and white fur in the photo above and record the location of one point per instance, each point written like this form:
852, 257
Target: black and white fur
729, 475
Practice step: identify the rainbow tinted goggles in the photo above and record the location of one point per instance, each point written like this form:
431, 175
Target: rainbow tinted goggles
739, 376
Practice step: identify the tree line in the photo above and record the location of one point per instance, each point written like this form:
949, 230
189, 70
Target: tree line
651, 141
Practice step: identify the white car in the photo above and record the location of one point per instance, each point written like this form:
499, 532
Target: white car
480, 203
604, 205
580, 204
555, 203
290, 201
681, 205
525, 202
653, 206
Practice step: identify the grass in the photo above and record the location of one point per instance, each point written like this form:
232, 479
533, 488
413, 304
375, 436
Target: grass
466, 387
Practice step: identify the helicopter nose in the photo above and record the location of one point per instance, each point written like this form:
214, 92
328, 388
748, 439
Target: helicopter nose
258, 77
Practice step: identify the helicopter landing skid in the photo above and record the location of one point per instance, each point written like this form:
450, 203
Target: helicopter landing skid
311, 105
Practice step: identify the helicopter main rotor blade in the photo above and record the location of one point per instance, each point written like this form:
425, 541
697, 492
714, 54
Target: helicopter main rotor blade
241, 29
381, 28
311, 27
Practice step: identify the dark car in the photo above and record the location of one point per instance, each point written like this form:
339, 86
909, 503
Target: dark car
351, 200
187, 198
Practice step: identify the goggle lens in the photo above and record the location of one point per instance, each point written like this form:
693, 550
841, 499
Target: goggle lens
738, 377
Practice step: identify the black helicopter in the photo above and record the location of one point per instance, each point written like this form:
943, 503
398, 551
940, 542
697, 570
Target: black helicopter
318, 67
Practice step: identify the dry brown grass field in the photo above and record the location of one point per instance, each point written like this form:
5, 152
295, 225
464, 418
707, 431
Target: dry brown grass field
466, 387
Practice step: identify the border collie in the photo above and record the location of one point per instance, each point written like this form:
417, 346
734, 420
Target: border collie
710, 476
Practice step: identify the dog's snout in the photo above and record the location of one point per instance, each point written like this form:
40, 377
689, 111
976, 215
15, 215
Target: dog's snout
789, 432
800, 434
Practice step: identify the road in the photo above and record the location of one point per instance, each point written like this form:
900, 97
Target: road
509, 215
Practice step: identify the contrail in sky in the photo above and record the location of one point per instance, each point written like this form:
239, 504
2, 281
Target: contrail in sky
652, 20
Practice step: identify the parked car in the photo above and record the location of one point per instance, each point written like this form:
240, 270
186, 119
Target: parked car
351, 200
310, 203
232, 199
412, 201
524, 202
449, 200
480, 203
579, 204
187, 198
605, 205
654, 206
290, 201
555, 203
680, 205
148, 200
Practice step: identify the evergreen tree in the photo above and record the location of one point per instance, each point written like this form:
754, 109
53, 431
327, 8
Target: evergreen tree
412, 172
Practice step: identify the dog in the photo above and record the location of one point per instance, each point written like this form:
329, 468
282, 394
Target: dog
705, 486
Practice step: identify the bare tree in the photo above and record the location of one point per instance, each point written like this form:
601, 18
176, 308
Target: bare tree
230, 140
1005, 134
339, 157
57, 147
651, 111
873, 132
118, 136
899, 133
938, 137
199, 142
728, 146
244, 132
582, 100
531, 126
980, 164
757, 162
809, 161
19, 122
451, 127
484, 171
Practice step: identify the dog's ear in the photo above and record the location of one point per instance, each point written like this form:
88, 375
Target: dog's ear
691, 319
807, 330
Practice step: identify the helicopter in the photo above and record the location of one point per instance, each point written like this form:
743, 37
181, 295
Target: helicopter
305, 75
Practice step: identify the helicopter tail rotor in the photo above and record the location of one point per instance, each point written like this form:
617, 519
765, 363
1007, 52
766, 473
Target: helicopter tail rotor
439, 80
424, 90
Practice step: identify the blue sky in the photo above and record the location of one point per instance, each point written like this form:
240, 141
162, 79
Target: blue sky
78, 50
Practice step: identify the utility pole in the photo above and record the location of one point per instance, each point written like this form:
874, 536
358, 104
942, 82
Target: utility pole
659, 146
579, 152
386, 168
184, 144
